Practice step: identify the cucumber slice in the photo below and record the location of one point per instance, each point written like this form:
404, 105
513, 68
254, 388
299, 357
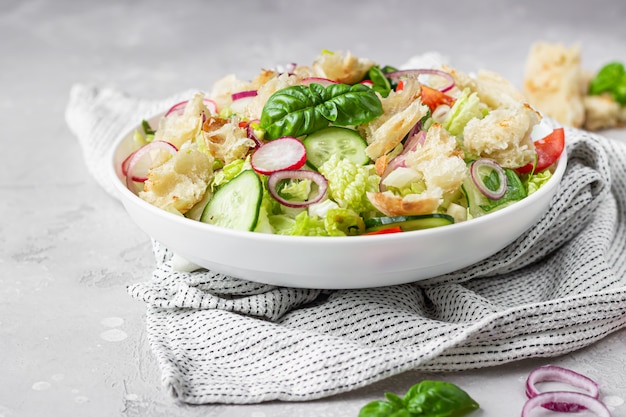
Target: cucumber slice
424, 221
341, 141
236, 204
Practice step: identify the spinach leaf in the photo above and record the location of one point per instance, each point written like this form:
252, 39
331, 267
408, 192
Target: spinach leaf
426, 399
300, 110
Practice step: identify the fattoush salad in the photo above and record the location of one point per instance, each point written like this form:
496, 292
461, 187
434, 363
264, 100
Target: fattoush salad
344, 147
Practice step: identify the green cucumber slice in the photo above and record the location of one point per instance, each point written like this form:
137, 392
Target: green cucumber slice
341, 141
236, 204
407, 223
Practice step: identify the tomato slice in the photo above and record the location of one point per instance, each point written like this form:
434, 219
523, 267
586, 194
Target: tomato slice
433, 98
549, 149
392, 229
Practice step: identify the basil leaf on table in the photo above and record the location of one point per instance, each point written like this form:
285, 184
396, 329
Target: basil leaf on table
426, 399
300, 110
612, 79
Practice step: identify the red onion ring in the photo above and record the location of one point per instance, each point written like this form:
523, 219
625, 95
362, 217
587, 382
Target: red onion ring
574, 401
131, 163
476, 166
317, 80
557, 374
403, 73
179, 108
276, 177
243, 94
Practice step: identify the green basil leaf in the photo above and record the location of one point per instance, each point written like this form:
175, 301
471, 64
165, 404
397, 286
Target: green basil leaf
607, 78
380, 82
300, 110
382, 409
438, 399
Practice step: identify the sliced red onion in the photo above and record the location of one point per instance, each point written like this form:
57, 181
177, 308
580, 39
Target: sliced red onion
475, 172
252, 135
276, 177
317, 80
137, 165
368, 83
179, 108
243, 94
570, 402
415, 138
417, 72
286, 153
557, 374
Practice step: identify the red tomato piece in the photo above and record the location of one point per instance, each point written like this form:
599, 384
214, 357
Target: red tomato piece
392, 229
549, 149
433, 98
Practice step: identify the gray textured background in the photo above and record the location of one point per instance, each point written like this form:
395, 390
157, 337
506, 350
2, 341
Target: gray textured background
72, 342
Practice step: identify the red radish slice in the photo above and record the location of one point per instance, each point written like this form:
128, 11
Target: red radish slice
179, 108
317, 80
275, 179
571, 401
138, 164
279, 155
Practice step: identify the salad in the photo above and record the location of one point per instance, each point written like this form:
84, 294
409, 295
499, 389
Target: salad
344, 147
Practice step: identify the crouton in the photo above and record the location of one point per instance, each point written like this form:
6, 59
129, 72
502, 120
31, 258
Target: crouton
503, 135
180, 182
602, 112
439, 163
225, 140
401, 111
180, 128
553, 82
341, 67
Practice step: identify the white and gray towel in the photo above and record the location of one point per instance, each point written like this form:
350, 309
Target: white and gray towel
559, 287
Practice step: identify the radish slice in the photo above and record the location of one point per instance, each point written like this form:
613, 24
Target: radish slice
476, 171
279, 155
417, 72
138, 164
318, 80
557, 374
570, 401
276, 177
179, 108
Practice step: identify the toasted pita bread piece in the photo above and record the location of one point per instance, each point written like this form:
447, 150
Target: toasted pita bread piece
554, 82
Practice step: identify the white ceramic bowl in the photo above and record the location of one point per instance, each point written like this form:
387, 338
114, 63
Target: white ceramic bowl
333, 262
